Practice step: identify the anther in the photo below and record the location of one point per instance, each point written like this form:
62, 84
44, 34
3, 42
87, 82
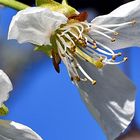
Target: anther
82, 42
99, 64
94, 82
119, 54
113, 39
116, 33
72, 49
125, 59
133, 21
63, 55
94, 47
101, 59
116, 55
76, 78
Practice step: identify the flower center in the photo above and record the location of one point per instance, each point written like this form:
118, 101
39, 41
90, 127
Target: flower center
74, 41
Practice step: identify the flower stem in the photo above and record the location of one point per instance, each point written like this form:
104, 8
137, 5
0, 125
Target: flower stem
14, 4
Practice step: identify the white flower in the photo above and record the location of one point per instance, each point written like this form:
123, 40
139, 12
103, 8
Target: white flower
85, 48
5, 87
10, 130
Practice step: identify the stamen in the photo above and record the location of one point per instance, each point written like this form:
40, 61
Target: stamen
103, 34
74, 25
106, 29
116, 55
78, 30
115, 63
64, 32
69, 38
110, 52
106, 48
99, 63
76, 78
60, 48
121, 24
77, 37
63, 42
85, 74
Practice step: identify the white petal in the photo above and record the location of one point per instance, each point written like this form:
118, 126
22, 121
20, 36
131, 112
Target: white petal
10, 130
5, 87
35, 25
128, 35
111, 101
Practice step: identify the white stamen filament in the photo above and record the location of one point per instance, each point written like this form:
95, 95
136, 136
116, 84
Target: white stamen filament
103, 34
69, 38
121, 24
84, 73
106, 48
77, 37
111, 62
92, 53
106, 29
64, 43
64, 32
60, 48
79, 32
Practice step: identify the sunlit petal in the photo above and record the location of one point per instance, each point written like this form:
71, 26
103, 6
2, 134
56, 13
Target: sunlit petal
124, 21
111, 101
35, 25
5, 87
10, 130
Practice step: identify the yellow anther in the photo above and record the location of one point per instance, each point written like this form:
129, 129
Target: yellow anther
99, 64
116, 33
101, 59
125, 58
63, 55
114, 57
76, 78
94, 47
119, 54
133, 21
94, 82
113, 39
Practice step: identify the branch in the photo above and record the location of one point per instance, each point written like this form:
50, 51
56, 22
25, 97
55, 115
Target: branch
14, 4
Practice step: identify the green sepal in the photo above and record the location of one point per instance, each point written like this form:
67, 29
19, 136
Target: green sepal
45, 49
40, 2
64, 2
55, 6
3, 110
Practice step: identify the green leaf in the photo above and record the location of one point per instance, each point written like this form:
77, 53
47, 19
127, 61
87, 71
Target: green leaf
55, 6
3, 110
